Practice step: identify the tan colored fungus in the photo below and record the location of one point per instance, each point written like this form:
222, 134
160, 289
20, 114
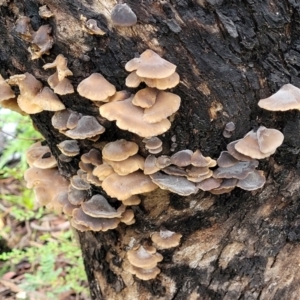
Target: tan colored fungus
119, 150
96, 88
144, 274
130, 117
166, 239
150, 65
145, 98
122, 187
287, 98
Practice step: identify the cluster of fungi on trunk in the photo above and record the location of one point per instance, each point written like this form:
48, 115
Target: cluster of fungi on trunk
117, 167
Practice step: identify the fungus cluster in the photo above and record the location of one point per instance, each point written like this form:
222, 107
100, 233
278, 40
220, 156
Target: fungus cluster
58, 81
144, 261
118, 168
40, 41
146, 113
33, 97
43, 177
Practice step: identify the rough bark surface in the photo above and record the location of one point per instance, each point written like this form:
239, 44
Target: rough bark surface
229, 54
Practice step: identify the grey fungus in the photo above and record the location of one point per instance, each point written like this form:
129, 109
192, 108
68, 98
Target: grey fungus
98, 207
175, 184
226, 160
255, 180
69, 147
87, 127
122, 15
182, 158
92, 27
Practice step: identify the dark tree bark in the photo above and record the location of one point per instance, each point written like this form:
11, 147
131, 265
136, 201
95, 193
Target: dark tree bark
229, 54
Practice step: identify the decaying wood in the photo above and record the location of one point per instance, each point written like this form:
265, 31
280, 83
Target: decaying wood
229, 54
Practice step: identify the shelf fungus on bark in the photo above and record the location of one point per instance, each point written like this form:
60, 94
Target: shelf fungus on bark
287, 98
165, 239
122, 15
96, 88
154, 145
69, 147
143, 262
58, 81
150, 68
130, 117
261, 143
34, 98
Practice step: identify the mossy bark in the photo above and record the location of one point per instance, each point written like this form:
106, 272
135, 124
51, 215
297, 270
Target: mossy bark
229, 54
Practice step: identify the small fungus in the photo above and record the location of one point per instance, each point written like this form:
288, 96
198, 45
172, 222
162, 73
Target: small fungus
92, 27
119, 150
166, 239
287, 98
96, 88
24, 29
182, 158
69, 147
45, 12
122, 15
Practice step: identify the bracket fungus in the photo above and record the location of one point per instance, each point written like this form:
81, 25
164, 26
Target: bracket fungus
96, 88
287, 98
165, 239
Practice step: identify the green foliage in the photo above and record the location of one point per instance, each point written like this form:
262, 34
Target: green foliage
54, 258
57, 264
24, 137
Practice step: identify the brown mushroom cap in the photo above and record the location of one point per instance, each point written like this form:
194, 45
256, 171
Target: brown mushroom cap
142, 258
153, 143
47, 100
128, 217
239, 156
35, 151
133, 80
182, 158
209, 184
145, 98
163, 161
96, 88
175, 184
166, 239
144, 274
174, 170
5, 90
92, 157
45, 161
41, 41
98, 207
119, 150
198, 160
122, 187
250, 144
226, 186
150, 165
165, 105
102, 171
150, 65
87, 127
162, 83
127, 166
288, 97
130, 117
133, 200
95, 224
60, 63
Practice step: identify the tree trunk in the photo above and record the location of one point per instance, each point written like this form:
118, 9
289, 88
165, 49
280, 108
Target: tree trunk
229, 54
